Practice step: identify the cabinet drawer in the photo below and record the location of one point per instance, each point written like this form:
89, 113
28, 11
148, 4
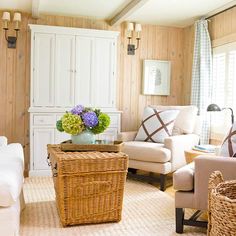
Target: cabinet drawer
44, 120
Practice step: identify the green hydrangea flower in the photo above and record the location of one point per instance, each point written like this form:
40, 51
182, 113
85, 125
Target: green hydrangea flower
72, 124
59, 126
103, 123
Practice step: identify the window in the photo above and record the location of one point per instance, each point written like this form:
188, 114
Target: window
223, 88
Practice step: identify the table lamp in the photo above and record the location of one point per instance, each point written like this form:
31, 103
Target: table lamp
215, 107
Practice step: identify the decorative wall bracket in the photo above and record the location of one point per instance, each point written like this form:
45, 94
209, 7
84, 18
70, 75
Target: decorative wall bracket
6, 17
130, 28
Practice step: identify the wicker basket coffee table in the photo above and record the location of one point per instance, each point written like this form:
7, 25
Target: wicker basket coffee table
89, 186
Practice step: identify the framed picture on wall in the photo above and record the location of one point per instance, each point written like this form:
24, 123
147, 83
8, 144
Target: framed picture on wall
156, 77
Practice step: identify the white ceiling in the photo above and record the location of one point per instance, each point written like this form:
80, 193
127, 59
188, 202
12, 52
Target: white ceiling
21, 5
101, 9
162, 12
175, 12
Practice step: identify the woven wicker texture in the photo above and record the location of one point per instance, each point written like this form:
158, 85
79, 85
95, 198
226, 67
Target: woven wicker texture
222, 206
89, 186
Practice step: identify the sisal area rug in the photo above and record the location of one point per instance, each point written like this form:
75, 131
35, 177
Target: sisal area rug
146, 211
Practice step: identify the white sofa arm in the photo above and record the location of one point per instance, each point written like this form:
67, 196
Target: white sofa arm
127, 136
177, 145
3, 141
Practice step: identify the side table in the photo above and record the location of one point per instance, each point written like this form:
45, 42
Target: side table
191, 154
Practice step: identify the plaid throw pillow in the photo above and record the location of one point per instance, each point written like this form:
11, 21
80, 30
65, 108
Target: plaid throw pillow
156, 125
228, 148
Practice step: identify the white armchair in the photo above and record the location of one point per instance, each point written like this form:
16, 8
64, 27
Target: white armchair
164, 158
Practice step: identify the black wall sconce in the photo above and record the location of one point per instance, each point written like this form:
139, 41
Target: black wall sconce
6, 17
131, 27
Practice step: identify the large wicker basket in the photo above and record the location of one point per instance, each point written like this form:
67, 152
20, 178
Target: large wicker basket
222, 206
89, 186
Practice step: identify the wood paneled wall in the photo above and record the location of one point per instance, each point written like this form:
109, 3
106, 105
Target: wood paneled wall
188, 61
222, 27
163, 43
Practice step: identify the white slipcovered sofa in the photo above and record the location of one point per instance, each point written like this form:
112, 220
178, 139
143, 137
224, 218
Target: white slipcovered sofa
11, 182
164, 158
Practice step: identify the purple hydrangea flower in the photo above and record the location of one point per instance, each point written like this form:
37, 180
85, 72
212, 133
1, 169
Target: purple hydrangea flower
77, 110
90, 119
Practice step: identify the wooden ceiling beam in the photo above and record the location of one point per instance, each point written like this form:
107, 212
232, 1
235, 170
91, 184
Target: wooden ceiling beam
35, 8
127, 11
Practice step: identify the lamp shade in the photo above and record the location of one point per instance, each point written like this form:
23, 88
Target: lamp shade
213, 107
6, 16
17, 17
138, 27
130, 26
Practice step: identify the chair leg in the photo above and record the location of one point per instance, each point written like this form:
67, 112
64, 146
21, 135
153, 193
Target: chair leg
132, 170
179, 220
162, 182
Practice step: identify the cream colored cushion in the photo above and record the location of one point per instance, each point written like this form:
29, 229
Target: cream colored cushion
147, 151
156, 125
10, 220
183, 178
3, 141
186, 119
228, 148
11, 174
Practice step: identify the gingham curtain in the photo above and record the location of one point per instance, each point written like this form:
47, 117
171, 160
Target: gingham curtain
202, 76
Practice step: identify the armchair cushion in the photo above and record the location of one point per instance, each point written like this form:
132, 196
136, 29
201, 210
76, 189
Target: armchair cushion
3, 141
156, 125
11, 174
183, 178
188, 114
228, 148
147, 151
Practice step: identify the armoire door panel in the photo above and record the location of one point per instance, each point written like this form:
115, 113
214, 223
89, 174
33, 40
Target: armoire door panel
61, 136
42, 137
102, 84
43, 69
64, 70
84, 70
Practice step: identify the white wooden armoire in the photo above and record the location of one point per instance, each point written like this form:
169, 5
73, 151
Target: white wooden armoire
69, 66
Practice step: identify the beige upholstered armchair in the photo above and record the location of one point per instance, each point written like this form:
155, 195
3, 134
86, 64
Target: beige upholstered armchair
164, 158
191, 183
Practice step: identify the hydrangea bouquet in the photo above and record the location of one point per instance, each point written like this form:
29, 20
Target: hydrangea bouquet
81, 119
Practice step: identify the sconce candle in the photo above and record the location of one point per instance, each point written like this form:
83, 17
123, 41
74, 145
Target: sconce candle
6, 17
130, 28
17, 20
138, 29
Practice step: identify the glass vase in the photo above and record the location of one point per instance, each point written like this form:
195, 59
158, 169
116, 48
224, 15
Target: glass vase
85, 137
